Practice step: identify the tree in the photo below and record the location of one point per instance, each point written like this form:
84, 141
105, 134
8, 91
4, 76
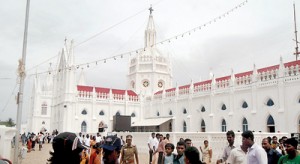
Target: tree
10, 122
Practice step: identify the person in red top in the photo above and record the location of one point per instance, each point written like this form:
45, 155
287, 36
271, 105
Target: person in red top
95, 156
160, 149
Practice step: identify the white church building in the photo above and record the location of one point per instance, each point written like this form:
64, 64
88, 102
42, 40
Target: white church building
262, 99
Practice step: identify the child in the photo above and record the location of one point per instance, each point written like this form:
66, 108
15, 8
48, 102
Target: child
169, 156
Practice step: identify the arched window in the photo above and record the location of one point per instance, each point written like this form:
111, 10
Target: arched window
118, 113
271, 124
84, 112
43, 122
223, 107
245, 125
202, 126
223, 125
157, 114
83, 127
203, 109
170, 127
170, 113
184, 111
184, 126
270, 102
44, 108
132, 114
101, 113
245, 105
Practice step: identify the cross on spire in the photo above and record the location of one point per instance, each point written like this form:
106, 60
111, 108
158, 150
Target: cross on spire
151, 9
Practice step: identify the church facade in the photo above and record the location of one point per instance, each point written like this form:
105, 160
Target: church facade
262, 99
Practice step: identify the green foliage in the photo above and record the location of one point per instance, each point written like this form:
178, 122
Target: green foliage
8, 123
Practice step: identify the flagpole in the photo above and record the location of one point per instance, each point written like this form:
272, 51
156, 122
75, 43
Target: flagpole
21, 74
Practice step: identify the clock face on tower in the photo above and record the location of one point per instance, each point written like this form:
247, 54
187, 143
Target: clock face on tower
160, 84
146, 83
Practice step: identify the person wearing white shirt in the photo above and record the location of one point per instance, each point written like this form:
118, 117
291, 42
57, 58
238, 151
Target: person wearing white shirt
238, 155
80, 137
87, 140
256, 154
231, 145
152, 145
98, 138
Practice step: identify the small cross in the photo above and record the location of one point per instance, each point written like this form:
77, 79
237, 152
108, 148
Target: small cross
150, 9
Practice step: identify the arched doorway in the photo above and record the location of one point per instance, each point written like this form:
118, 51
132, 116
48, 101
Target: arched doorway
101, 127
270, 124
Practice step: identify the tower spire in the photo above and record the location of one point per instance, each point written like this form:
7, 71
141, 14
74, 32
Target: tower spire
151, 9
150, 33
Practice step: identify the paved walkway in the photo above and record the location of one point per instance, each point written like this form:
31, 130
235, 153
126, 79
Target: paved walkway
40, 157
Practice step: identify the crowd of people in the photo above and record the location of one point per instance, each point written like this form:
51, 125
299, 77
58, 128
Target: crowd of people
30, 140
270, 151
89, 149
113, 150
96, 149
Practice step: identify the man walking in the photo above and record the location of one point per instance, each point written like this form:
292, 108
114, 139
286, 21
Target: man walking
256, 154
152, 142
179, 158
129, 152
272, 154
230, 139
291, 150
160, 150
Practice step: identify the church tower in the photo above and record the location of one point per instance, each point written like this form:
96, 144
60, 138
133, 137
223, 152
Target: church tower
150, 70
64, 91
40, 102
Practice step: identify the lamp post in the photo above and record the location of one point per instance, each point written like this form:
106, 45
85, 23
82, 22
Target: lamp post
21, 74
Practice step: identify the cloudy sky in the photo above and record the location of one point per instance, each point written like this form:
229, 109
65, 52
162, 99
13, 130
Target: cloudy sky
258, 32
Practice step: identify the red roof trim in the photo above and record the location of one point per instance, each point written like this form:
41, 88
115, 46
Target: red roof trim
118, 91
266, 69
243, 74
171, 89
293, 63
223, 78
202, 83
102, 90
158, 92
131, 93
184, 86
84, 88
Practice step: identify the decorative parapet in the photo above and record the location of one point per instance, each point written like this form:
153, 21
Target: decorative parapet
86, 93
292, 70
171, 92
184, 90
202, 86
222, 82
263, 77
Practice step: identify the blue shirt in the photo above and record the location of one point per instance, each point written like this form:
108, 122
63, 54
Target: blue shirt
273, 156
